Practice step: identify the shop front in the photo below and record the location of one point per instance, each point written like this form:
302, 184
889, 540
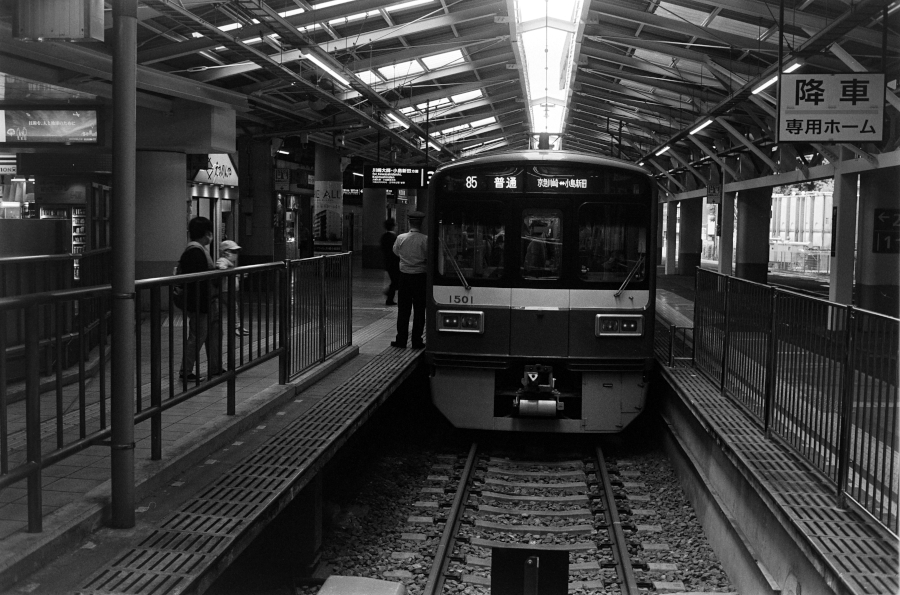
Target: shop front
213, 191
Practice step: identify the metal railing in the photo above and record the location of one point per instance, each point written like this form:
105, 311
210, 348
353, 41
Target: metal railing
254, 314
821, 376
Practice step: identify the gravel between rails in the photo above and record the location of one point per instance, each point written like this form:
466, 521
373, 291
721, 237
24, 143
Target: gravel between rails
385, 530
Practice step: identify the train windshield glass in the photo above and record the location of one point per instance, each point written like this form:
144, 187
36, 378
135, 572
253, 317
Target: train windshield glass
471, 240
541, 243
611, 239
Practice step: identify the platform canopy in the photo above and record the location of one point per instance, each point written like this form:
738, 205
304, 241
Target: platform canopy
625, 78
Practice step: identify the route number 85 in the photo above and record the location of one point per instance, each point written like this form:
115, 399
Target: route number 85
471, 182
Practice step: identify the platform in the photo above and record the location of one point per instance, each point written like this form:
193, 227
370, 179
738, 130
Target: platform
764, 502
202, 445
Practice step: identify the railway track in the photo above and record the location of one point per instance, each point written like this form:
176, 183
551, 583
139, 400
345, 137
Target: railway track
506, 511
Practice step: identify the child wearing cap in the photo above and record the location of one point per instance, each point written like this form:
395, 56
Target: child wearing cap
229, 251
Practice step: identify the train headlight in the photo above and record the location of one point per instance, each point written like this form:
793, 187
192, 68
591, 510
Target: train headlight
619, 325
460, 321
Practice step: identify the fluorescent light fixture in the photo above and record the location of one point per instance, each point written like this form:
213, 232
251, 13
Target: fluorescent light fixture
327, 69
406, 5
18, 179
701, 126
283, 152
7, 204
393, 117
641, 163
765, 85
433, 146
358, 174
663, 150
792, 67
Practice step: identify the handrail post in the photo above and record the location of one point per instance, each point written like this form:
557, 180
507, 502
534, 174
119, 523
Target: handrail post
672, 329
33, 419
771, 362
231, 323
284, 328
155, 374
323, 332
725, 341
846, 405
348, 287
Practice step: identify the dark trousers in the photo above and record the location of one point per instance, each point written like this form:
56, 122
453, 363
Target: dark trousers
394, 274
411, 300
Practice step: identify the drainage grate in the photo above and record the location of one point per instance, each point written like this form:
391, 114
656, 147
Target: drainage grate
173, 558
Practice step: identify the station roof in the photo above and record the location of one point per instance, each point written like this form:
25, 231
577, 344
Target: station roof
379, 77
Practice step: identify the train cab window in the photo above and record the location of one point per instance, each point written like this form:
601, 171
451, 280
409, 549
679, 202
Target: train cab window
612, 240
541, 244
471, 241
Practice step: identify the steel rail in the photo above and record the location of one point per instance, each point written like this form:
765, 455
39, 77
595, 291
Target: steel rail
616, 534
435, 584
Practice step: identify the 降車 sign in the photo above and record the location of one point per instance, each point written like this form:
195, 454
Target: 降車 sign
831, 108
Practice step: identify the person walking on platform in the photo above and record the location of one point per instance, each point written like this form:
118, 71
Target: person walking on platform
201, 303
390, 260
411, 247
230, 251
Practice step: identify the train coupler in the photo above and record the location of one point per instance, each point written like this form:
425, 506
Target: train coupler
538, 396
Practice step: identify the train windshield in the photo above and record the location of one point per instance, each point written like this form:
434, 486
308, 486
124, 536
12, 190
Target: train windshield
611, 240
541, 244
472, 238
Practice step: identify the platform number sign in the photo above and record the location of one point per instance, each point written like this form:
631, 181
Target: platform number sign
886, 233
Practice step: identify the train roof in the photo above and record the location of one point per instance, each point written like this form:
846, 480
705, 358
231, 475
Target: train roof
537, 155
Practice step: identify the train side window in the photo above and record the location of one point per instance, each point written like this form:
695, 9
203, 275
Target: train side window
471, 239
541, 244
611, 240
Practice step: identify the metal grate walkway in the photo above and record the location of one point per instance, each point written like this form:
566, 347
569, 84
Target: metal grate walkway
841, 540
197, 542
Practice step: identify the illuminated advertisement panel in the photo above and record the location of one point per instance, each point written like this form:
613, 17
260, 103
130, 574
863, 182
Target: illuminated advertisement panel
55, 126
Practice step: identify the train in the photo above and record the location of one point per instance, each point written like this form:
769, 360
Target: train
540, 308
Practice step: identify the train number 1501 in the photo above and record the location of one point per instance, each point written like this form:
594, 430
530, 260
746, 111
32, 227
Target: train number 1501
462, 299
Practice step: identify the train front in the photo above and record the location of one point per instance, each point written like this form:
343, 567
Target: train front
541, 293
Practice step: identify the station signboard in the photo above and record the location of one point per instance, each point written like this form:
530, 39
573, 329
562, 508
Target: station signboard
830, 108
886, 232
396, 177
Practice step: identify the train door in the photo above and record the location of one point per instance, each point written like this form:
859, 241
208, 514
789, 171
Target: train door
540, 302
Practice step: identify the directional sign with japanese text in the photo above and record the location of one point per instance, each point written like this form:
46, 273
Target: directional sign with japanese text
831, 108
886, 231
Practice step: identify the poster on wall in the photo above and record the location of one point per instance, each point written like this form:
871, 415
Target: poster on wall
48, 126
327, 216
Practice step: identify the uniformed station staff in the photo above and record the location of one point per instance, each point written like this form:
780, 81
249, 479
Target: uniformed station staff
411, 247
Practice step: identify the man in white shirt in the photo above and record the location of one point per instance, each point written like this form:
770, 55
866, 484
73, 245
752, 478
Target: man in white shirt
412, 248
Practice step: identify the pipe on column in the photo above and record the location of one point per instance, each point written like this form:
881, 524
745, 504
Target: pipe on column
122, 240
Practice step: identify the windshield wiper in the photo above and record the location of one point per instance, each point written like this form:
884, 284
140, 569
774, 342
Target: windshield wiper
459, 273
631, 273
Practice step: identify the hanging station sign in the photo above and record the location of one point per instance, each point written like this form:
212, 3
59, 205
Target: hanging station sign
831, 108
396, 177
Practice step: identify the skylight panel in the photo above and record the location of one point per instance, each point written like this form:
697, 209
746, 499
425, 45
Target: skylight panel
445, 59
369, 77
483, 121
432, 104
464, 97
546, 45
400, 70
453, 129
672, 11
748, 30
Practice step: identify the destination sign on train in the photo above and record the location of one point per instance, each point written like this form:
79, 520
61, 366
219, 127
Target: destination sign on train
506, 182
574, 183
395, 177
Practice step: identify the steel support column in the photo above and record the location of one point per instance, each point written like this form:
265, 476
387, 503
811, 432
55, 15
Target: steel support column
123, 253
